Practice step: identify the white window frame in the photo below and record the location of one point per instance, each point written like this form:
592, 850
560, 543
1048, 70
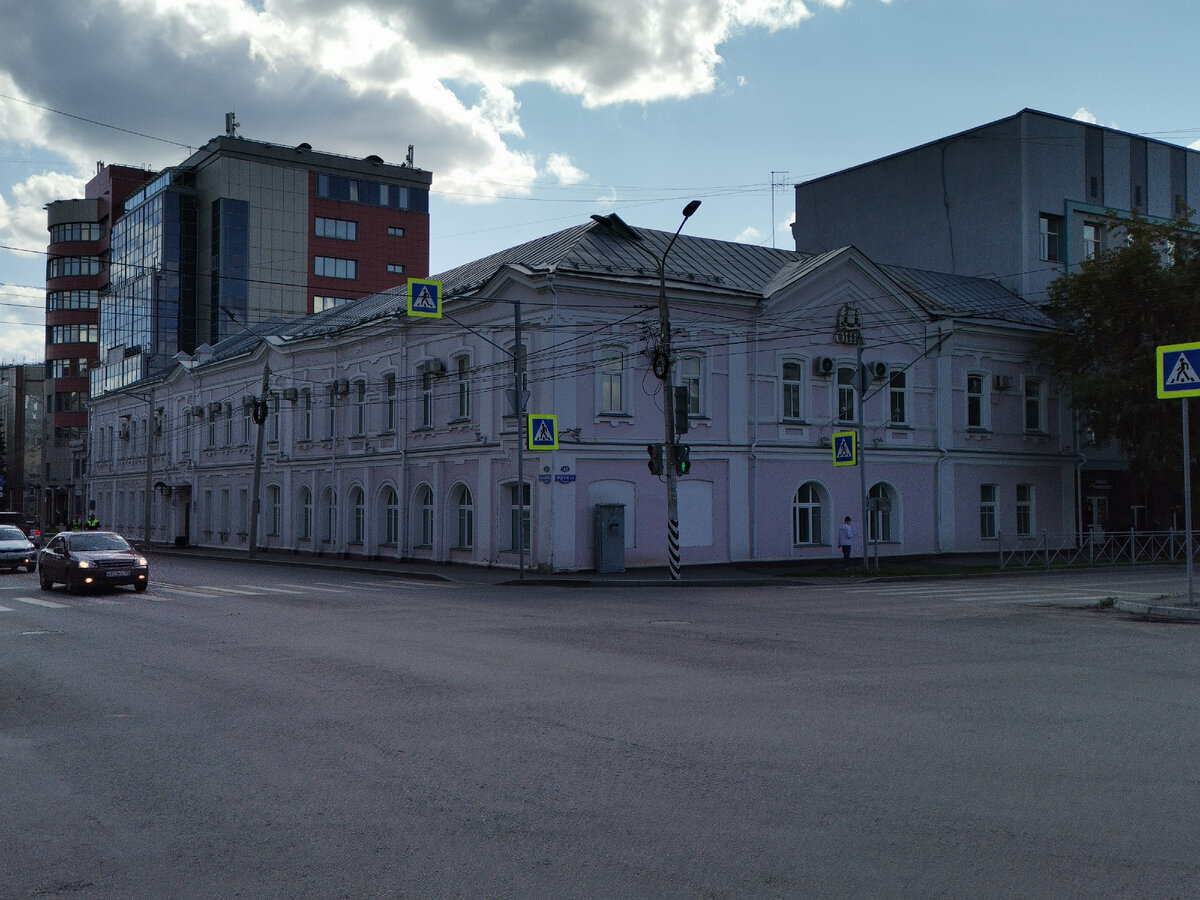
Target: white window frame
611, 393
691, 372
984, 399
462, 375
791, 390
1033, 390
898, 393
845, 384
359, 387
809, 511
988, 511
1025, 510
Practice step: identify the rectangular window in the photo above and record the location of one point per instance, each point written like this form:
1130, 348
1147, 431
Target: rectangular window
987, 511
395, 268
322, 303
1035, 419
247, 411
792, 386
389, 393
847, 395
898, 397
426, 399
1024, 510
976, 406
612, 382
463, 364
306, 418
690, 377
395, 231
332, 267
1049, 228
360, 407
1092, 239
338, 229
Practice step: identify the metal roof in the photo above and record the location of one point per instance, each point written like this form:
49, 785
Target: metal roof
607, 247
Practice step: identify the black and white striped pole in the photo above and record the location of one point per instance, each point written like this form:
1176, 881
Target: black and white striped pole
662, 368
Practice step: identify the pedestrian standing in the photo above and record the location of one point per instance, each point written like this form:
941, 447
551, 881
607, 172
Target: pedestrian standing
846, 540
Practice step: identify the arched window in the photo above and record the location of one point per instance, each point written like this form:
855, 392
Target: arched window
274, 512
425, 509
464, 537
520, 530
358, 514
807, 516
389, 508
304, 510
328, 515
881, 510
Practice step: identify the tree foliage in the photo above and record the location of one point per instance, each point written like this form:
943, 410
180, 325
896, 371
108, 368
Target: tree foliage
1142, 293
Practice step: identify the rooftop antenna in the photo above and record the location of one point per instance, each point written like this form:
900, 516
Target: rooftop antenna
408, 160
778, 180
231, 125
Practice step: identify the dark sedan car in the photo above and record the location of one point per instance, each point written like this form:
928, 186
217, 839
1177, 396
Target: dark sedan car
83, 559
16, 550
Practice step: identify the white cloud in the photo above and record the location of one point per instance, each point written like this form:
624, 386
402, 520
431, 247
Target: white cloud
560, 167
22, 324
1083, 115
23, 221
353, 76
749, 235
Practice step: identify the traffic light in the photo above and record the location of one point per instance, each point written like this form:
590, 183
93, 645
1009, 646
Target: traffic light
683, 459
656, 458
682, 402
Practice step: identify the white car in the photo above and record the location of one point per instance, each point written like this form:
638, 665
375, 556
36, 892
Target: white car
16, 550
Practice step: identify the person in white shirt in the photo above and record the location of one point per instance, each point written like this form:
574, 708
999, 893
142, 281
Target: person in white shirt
846, 540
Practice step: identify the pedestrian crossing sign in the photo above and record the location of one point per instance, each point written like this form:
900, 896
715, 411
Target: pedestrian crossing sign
424, 298
1178, 371
845, 448
542, 432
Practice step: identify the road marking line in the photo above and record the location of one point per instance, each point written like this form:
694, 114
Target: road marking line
49, 604
329, 588
221, 590
272, 590
5, 609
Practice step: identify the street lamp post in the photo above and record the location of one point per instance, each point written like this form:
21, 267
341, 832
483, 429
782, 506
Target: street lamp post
663, 370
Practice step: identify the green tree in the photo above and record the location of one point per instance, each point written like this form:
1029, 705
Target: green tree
1141, 293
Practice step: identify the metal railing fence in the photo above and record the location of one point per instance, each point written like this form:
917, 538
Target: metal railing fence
1093, 548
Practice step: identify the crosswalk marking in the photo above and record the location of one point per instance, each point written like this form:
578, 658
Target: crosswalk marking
35, 601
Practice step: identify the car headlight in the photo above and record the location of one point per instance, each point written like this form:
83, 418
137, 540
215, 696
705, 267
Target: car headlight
142, 561
83, 564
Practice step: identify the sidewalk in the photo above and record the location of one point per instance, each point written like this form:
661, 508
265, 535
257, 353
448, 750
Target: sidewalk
744, 575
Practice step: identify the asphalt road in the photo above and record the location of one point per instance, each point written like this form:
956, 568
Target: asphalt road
252, 732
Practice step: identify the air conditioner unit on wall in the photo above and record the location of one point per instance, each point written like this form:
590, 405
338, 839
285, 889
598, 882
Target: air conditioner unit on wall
343, 386
1003, 382
291, 394
823, 365
877, 370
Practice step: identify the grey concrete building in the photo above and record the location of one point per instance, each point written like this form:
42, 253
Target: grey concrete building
1021, 199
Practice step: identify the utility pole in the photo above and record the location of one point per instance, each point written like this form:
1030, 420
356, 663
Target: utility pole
261, 411
662, 368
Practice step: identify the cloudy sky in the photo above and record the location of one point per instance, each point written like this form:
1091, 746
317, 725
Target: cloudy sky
534, 114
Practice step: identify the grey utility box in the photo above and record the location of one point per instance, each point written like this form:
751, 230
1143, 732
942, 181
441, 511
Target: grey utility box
610, 537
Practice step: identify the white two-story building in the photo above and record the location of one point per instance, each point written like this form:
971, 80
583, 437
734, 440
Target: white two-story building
395, 436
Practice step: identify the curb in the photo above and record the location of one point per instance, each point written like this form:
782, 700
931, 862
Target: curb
1159, 611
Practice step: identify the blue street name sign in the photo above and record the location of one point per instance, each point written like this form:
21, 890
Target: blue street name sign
845, 448
1178, 370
